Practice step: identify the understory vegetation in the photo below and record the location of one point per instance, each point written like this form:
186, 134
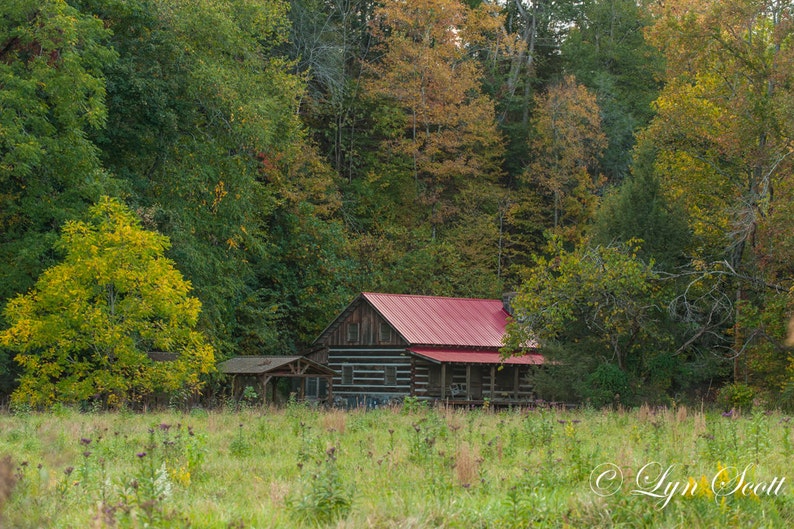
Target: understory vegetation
398, 467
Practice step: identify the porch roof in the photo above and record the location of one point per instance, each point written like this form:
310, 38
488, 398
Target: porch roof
274, 365
469, 356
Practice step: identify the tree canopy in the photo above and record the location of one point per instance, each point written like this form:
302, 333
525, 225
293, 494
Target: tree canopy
295, 153
86, 329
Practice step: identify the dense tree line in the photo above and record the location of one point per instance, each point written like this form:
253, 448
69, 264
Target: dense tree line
624, 166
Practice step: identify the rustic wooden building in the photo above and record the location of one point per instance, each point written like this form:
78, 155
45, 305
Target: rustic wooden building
386, 346
310, 380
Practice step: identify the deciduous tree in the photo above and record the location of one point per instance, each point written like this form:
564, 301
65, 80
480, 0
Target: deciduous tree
204, 125
607, 52
565, 149
52, 94
724, 134
593, 308
84, 331
444, 126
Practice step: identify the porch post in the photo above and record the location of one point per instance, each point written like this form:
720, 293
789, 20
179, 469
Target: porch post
518, 368
443, 380
468, 381
412, 391
265, 380
493, 381
330, 389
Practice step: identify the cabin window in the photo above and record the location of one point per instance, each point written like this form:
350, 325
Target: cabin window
347, 375
312, 389
384, 334
352, 332
390, 375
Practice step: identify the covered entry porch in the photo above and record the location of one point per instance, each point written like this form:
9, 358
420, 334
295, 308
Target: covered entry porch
472, 376
267, 369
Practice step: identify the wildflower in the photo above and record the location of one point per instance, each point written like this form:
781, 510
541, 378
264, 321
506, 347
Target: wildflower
705, 487
141, 455
85, 441
728, 413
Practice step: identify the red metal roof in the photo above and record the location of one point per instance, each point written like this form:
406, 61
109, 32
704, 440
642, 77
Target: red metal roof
433, 320
468, 356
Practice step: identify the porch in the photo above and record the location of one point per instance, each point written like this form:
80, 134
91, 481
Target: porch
466, 377
265, 370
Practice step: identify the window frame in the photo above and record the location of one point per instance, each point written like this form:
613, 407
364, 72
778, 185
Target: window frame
348, 374
353, 332
384, 332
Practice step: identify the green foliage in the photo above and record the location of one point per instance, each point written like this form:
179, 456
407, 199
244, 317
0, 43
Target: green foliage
530, 467
450, 137
601, 306
240, 446
723, 135
566, 143
203, 121
638, 209
607, 52
52, 58
412, 405
608, 384
428, 196
324, 497
738, 396
85, 330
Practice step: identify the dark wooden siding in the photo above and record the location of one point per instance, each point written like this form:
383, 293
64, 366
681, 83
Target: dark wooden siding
319, 355
369, 322
369, 371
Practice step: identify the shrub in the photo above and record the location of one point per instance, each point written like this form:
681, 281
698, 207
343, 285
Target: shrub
736, 396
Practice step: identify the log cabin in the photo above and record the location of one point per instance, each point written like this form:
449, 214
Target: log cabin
385, 347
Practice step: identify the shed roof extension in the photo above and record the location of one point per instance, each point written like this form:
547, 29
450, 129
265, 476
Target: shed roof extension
466, 356
276, 365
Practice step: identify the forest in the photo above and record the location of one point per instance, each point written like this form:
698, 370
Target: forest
623, 166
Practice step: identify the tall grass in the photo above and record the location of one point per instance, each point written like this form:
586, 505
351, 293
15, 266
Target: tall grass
407, 467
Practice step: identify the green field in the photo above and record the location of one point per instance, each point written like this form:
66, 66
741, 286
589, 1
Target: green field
407, 467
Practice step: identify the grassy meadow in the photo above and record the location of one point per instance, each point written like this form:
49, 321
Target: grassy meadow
408, 467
